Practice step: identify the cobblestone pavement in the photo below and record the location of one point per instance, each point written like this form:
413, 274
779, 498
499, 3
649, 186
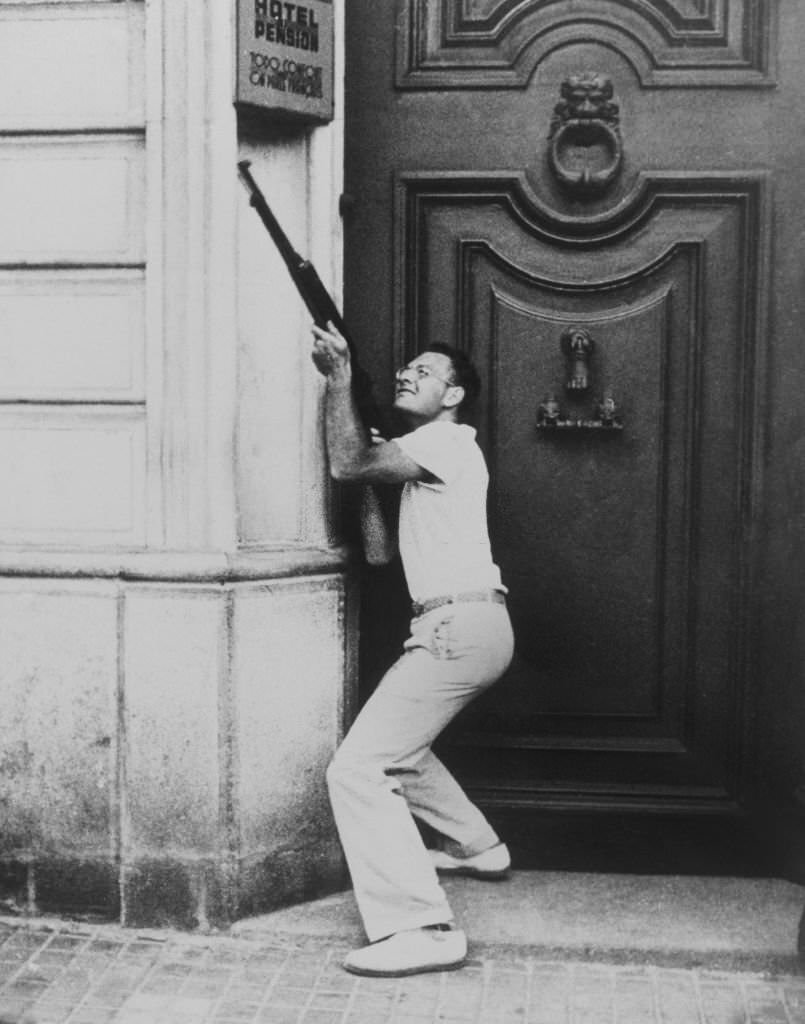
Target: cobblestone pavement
81, 974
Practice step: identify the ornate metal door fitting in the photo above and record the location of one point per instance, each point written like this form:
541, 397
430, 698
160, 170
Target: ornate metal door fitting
585, 152
578, 347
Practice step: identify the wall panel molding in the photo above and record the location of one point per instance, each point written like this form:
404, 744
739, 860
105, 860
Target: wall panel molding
279, 562
72, 200
52, 460
72, 335
98, 86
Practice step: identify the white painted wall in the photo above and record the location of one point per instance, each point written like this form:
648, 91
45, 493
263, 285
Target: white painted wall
135, 279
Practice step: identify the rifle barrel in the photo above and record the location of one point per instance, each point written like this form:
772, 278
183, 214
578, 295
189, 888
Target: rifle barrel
311, 290
258, 201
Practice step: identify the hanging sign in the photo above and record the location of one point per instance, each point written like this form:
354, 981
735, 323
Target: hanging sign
285, 58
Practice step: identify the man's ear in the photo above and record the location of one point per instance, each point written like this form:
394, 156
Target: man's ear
453, 397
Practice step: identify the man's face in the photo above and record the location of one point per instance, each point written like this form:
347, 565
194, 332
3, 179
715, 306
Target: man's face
424, 388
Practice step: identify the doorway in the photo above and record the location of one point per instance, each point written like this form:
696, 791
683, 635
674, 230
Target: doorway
598, 201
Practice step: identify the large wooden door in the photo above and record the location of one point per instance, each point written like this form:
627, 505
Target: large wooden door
586, 195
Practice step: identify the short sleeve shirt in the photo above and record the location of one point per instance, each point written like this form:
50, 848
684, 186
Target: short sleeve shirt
443, 534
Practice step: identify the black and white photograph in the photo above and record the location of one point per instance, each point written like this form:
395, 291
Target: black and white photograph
402, 512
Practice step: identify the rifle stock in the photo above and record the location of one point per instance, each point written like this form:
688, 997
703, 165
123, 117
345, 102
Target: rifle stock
314, 295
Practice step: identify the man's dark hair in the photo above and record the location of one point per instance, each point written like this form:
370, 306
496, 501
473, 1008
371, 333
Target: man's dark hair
464, 374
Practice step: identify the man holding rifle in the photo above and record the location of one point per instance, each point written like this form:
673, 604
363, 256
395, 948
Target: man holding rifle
460, 644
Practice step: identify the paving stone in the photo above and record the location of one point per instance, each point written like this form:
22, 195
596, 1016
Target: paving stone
284, 996
275, 1015
96, 1015
110, 977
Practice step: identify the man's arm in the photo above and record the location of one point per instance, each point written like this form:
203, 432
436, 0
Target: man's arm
352, 458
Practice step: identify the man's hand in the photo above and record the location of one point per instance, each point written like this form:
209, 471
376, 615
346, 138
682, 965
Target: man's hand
354, 457
331, 355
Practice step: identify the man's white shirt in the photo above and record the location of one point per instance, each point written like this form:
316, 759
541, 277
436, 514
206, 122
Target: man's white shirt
443, 534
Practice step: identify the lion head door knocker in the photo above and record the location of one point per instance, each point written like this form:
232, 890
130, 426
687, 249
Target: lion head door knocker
585, 152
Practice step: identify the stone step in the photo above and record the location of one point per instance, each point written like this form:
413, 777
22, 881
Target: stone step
686, 921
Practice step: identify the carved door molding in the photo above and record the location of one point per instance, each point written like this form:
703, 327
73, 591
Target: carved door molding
673, 283
470, 44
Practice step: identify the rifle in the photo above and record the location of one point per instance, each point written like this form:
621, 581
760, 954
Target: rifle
315, 296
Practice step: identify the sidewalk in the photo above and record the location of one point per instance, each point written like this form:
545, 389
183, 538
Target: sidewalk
615, 956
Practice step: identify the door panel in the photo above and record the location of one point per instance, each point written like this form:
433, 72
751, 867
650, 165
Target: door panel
610, 170
623, 549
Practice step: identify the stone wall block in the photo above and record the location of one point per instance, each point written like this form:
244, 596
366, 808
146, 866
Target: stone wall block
288, 671
278, 878
58, 727
174, 651
166, 892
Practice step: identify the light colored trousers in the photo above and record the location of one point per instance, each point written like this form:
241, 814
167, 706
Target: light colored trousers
384, 772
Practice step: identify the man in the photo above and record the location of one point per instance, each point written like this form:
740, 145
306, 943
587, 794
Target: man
461, 642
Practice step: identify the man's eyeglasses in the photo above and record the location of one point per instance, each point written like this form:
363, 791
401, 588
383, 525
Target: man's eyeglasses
421, 371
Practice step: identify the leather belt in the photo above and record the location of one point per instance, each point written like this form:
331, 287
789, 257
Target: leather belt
494, 596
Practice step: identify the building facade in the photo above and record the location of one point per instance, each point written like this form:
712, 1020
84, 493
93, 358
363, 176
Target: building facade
174, 662
600, 201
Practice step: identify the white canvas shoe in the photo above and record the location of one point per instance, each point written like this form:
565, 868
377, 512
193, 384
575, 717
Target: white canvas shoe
410, 952
492, 864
